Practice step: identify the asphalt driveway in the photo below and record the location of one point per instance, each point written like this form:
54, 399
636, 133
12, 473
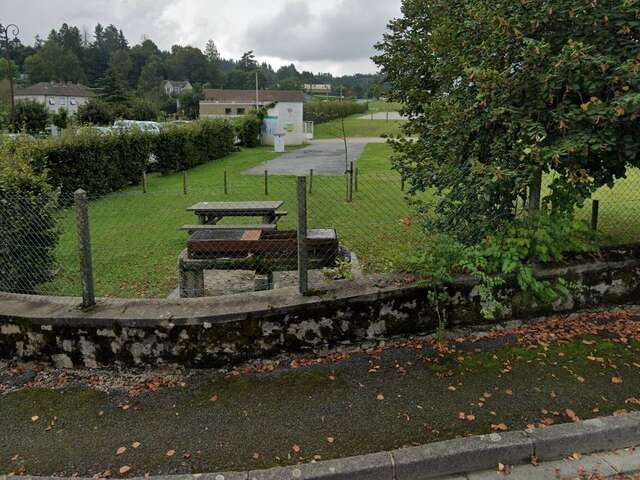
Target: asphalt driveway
325, 157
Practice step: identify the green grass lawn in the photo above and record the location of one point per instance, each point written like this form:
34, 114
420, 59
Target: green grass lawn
384, 106
136, 237
356, 126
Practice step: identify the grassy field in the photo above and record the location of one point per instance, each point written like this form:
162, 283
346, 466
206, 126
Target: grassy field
136, 237
356, 126
384, 106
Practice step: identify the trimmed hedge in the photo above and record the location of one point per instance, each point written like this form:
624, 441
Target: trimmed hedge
28, 231
95, 162
249, 130
182, 147
323, 111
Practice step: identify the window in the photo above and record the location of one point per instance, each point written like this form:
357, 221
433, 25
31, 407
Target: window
52, 101
227, 111
241, 111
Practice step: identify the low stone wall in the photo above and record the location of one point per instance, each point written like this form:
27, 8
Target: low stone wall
217, 331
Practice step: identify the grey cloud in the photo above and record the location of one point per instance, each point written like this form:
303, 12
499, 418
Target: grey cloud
346, 32
135, 18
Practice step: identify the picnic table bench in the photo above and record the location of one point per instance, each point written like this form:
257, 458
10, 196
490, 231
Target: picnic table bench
210, 213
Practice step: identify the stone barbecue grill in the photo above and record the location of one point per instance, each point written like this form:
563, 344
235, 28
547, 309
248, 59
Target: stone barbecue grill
262, 251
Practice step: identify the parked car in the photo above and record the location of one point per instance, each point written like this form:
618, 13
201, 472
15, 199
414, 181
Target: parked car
151, 127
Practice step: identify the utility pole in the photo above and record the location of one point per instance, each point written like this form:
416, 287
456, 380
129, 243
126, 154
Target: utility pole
257, 94
5, 31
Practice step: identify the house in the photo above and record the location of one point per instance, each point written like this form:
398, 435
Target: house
56, 95
285, 110
171, 87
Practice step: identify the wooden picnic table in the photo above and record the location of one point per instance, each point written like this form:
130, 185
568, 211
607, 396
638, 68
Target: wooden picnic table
210, 213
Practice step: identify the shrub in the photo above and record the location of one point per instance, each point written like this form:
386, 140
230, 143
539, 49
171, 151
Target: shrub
92, 161
96, 112
29, 116
28, 233
249, 130
322, 111
144, 110
60, 118
182, 147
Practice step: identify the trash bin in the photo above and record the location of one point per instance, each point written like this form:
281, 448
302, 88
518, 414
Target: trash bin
279, 142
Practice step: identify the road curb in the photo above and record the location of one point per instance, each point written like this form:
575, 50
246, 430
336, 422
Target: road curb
451, 457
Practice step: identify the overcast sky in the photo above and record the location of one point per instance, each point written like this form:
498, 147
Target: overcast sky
334, 36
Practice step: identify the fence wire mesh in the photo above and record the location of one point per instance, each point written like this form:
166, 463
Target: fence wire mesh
166, 242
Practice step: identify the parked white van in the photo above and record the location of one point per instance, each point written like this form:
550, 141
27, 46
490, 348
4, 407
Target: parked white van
151, 127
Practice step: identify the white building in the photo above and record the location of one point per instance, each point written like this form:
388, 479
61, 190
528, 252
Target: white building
285, 110
56, 95
171, 87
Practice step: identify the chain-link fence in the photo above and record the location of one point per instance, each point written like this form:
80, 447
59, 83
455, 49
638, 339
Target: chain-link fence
201, 235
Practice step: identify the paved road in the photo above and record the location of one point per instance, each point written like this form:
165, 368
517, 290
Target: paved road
326, 157
368, 402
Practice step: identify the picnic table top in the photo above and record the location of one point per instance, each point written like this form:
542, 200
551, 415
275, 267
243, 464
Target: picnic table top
215, 207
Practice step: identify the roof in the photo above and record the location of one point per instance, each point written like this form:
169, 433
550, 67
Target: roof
178, 84
249, 96
57, 89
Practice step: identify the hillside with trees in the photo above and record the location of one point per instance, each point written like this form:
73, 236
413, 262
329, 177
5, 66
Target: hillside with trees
129, 77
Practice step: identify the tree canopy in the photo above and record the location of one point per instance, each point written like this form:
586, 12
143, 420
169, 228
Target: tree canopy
500, 91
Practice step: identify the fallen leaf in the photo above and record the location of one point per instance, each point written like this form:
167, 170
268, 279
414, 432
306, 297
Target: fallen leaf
170, 453
256, 456
124, 469
214, 398
135, 445
499, 427
571, 414
471, 418
121, 450
580, 379
296, 448
452, 388
576, 456
616, 380
508, 391
380, 397
331, 439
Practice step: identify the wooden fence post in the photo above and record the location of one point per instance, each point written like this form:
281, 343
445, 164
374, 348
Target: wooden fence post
266, 182
311, 181
144, 182
303, 278
84, 247
595, 211
184, 182
355, 183
350, 181
226, 183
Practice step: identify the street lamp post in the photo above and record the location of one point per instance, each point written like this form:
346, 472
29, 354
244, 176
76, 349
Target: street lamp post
6, 31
